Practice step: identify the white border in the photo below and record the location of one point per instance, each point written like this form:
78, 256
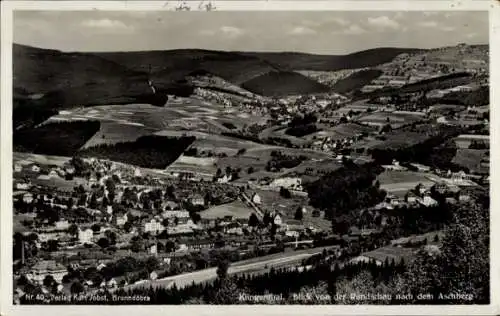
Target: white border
6, 155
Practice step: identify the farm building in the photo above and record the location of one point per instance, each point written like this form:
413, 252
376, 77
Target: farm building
47, 267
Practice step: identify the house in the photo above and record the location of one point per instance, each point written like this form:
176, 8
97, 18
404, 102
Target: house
441, 188
85, 236
464, 196
277, 220
92, 180
62, 224
47, 267
411, 197
153, 249
69, 170
18, 167
421, 189
137, 172
198, 245
292, 233
291, 183
35, 168
112, 283
175, 214
256, 199
120, 220
47, 235
28, 198
428, 201
153, 275
153, 226
100, 266
23, 185
197, 200
53, 174
224, 179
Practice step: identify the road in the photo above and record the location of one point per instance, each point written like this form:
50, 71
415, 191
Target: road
205, 275
254, 206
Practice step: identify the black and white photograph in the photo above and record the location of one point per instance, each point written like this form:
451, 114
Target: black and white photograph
197, 156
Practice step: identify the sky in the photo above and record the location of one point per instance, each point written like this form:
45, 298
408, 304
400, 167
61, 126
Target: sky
317, 32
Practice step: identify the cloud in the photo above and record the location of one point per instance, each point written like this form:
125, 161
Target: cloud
231, 31
448, 28
471, 35
340, 21
354, 29
383, 22
226, 31
428, 24
302, 30
106, 24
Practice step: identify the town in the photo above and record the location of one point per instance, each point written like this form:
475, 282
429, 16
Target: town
253, 178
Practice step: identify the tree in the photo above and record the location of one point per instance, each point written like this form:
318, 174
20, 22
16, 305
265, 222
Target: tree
111, 236
250, 170
299, 214
103, 242
96, 228
53, 245
169, 246
284, 192
137, 244
226, 291
437, 270
152, 264
127, 226
73, 230
76, 287
49, 281
253, 221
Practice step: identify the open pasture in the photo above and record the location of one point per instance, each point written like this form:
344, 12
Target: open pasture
400, 181
204, 166
342, 131
27, 158
396, 119
236, 209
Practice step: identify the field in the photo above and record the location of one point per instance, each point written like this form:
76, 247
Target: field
471, 159
401, 181
237, 209
60, 183
391, 253
396, 119
205, 166
112, 133
27, 158
342, 131
178, 114
395, 139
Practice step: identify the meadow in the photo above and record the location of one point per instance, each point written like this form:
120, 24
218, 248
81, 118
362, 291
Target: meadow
236, 209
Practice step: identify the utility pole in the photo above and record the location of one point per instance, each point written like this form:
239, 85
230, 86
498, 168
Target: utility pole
22, 252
